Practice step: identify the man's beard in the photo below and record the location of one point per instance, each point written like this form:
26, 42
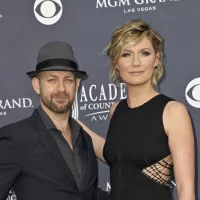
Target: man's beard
52, 104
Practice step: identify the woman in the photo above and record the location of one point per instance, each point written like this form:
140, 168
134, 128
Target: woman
150, 136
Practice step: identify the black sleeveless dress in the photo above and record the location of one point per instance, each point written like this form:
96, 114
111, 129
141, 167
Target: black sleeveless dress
137, 152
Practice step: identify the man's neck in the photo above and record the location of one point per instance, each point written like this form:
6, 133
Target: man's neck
61, 121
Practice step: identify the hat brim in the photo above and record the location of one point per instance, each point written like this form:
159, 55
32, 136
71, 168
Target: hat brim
80, 74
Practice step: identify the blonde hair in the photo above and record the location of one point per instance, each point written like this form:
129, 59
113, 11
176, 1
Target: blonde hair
130, 34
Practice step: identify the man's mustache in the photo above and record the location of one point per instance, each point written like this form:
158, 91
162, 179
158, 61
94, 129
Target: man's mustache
61, 95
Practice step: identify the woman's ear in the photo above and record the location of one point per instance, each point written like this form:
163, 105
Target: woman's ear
157, 59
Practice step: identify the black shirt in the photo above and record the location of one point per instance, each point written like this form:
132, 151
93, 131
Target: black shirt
72, 158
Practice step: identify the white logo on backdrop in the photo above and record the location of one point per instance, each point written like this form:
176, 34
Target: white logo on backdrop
192, 93
9, 104
75, 110
11, 196
95, 100
108, 187
48, 12
130, 6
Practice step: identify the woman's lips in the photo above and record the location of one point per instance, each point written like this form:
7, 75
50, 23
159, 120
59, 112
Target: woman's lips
136, 73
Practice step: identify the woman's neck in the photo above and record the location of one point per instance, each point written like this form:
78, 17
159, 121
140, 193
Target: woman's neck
138, 95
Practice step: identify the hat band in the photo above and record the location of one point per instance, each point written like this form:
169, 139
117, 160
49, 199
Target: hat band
56, 62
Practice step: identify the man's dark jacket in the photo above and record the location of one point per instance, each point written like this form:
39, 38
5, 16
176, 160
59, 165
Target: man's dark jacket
31, 163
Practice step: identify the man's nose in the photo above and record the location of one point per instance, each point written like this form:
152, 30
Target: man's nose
61, 86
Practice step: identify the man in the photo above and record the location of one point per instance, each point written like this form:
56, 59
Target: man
48, 155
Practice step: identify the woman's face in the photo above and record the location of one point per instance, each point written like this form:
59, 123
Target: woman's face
136, 63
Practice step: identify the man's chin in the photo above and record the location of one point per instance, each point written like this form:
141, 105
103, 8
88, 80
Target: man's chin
60, 109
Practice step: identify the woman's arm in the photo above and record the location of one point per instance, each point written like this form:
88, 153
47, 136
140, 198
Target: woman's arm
178, 127
98, 141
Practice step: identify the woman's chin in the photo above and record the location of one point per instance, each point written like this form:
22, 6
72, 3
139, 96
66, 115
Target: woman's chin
136, 83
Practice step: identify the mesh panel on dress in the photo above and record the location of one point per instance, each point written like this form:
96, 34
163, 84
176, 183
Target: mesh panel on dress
161, 172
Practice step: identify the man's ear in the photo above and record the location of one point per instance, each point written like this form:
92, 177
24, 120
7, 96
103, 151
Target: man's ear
36, 85
77, 83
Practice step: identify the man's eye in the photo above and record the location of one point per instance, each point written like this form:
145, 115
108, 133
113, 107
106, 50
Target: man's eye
51, 80
69, 81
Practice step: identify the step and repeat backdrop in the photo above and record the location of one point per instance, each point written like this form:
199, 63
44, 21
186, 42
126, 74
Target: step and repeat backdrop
87, 25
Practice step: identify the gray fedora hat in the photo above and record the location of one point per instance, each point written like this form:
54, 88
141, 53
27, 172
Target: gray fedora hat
56, 56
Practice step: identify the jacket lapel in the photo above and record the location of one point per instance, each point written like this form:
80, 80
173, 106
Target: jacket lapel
85, 163
50, 144
89, 160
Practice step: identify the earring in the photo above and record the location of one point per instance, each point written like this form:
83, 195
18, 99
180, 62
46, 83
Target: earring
116, 75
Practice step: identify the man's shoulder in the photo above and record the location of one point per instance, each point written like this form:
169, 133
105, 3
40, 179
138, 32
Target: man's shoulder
17, 129
18, 124
19, 134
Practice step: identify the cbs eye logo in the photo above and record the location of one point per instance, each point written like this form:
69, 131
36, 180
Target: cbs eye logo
48, 12
192, 93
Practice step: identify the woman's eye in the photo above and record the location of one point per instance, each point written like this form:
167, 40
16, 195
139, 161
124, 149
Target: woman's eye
146, 53
126, 54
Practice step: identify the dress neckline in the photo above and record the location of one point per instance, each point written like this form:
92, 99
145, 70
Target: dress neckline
147, 102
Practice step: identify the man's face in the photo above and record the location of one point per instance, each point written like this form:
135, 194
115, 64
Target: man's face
57, 90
